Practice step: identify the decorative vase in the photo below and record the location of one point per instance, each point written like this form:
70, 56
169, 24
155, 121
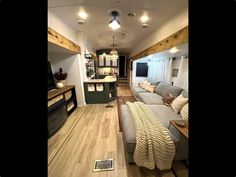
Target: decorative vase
63, 82
59, 85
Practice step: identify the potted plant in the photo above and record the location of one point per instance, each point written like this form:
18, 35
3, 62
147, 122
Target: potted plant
60, 77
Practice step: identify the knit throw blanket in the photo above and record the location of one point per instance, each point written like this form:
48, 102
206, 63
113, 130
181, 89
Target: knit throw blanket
154, 145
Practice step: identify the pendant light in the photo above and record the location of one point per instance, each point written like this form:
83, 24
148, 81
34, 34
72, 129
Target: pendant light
114, 23
113, 54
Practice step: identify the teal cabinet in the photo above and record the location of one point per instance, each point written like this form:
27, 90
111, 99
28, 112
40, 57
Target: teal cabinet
96, 93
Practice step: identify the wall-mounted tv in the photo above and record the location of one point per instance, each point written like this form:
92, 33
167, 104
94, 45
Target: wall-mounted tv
141, 70
51, 82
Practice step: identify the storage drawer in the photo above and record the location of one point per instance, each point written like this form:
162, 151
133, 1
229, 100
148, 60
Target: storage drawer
68, 95
54, 100
70, 106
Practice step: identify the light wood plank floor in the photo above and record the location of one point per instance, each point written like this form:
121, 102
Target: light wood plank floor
91, 133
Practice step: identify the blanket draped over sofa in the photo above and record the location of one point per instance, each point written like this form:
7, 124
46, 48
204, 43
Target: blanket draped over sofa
154, 145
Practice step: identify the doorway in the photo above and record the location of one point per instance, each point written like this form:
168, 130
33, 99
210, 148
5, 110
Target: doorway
122, 66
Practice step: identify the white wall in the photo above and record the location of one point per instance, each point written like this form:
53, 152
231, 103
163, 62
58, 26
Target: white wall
136, 80
69, 63
61, 27
74, 65
171, 26
85, 48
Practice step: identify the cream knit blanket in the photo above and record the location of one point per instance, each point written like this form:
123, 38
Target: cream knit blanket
154, 145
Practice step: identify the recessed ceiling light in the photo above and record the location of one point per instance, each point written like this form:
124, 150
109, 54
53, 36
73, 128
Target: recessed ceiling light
81, 22
83, 15
131, 14
145, 25
173, 50
144, 18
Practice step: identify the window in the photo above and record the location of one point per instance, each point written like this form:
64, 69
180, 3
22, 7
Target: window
142, 69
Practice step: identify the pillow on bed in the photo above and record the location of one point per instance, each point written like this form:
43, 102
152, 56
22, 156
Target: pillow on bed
178, 103
167, 99
184, 112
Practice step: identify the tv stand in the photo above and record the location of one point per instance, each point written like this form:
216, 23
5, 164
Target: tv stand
61, 103
68, 93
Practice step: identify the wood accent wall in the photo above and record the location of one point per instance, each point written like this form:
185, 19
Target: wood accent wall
58, 39
178, 38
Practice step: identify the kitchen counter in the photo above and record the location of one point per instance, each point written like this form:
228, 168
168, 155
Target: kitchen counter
100, 90
107, 79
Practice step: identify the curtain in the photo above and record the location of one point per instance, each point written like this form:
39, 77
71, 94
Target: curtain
182, 77
160, 70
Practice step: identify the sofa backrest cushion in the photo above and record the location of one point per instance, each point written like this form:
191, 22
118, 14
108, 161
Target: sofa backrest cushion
184, 93
155, 83
163, 88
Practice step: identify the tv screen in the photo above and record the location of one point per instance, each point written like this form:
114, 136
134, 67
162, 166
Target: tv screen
142, 69
51, 83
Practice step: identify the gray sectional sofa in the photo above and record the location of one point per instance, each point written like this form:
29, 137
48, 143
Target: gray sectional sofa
164, 114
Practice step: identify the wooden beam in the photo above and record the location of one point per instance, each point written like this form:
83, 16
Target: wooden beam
58, 39
178, 38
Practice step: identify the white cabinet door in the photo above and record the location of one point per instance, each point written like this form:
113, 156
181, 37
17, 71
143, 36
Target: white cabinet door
101, 60
114, 62
108, 61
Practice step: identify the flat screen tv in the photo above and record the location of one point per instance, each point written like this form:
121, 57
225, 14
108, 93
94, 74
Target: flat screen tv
51, 82
141, 70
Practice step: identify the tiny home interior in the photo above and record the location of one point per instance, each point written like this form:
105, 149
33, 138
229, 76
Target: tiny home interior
118, 88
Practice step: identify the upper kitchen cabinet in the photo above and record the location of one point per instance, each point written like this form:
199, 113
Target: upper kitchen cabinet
104, 61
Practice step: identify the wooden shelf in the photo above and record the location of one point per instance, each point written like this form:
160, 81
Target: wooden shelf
59, 91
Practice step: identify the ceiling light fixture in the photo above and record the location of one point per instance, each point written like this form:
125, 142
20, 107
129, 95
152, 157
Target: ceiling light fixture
144, 18
173, 50
145, 25
82, 13
113, 54
81, 22
114, 23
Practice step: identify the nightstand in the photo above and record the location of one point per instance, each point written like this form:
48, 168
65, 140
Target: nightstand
182, 130
182, 136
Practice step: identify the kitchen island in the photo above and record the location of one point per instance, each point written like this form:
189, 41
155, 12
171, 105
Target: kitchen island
100, 90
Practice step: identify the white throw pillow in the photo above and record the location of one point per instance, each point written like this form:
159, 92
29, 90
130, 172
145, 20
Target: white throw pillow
178, 103
144, 84
184, 112
150, 87
141, 84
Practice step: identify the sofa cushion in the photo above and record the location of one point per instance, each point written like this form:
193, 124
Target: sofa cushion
184, 93
164, 114
178, 103
137, 89
167, 99
128, 127
155, 83
150, 98
184, 112
164, 88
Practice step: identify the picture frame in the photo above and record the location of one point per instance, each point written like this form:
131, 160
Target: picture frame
175, 72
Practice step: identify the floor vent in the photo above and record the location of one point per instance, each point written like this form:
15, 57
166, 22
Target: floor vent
103, 165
